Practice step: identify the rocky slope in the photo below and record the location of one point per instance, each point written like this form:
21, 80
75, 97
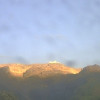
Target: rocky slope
41, 70
91, 68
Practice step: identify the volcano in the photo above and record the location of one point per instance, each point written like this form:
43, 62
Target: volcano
51, 81
41, 70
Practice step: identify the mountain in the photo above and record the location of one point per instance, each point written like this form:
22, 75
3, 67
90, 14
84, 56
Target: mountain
41, 70
91, 68
52, 81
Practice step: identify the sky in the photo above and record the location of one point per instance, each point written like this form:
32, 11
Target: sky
39, 31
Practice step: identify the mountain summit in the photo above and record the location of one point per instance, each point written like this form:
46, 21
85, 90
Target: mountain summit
91, 68
41, 70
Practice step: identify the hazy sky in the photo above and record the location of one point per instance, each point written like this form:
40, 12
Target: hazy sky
34, 31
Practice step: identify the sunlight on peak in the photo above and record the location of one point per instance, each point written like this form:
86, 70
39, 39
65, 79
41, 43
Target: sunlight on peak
53, 62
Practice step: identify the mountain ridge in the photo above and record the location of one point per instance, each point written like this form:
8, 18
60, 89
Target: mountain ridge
91, 68
41, 70
45, 70
84, 85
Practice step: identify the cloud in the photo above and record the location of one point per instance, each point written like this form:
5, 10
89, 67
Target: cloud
12, 59
71, 63
21, 60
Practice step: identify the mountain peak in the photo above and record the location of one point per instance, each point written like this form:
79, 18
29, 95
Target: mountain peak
53, 62
42, 70
91, 68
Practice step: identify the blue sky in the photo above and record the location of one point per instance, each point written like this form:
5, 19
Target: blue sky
38, 31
